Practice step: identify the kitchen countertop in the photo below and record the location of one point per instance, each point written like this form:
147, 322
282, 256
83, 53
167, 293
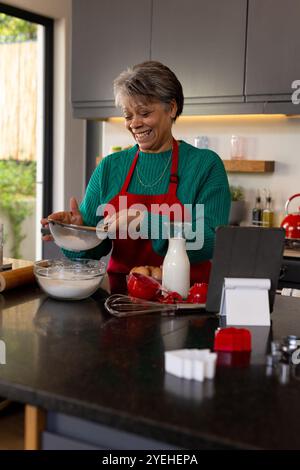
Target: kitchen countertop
17, 263
291, 253
73, 358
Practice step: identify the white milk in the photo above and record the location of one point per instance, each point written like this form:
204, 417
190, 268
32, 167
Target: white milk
176, 268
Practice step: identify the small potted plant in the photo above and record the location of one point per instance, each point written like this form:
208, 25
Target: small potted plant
237, 209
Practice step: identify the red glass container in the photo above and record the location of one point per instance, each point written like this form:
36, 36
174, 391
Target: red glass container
232, 339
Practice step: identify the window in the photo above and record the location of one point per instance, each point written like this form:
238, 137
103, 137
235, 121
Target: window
26, 126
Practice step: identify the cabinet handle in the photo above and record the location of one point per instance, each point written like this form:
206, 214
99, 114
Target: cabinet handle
283, 271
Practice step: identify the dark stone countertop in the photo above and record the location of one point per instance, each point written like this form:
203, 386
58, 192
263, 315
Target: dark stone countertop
74, 358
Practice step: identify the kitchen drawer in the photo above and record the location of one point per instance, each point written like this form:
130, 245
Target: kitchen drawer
70, 432
52, 441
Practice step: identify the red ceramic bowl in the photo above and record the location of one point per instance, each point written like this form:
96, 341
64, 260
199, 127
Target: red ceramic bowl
198, 293
142, 287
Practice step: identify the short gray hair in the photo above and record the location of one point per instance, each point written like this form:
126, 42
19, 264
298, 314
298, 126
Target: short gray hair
151, 80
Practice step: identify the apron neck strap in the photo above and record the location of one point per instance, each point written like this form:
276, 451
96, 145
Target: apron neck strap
174, 169
173, 176
129, 174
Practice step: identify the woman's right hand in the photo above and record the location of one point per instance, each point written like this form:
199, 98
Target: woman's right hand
66, 217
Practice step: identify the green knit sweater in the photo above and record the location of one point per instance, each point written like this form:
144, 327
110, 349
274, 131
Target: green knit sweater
202, 180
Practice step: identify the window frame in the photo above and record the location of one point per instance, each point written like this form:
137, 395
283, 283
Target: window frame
48, 23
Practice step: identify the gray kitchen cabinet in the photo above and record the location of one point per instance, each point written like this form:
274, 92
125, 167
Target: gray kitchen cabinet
290, 272
273, 49
232, 57
204, 43
107, 37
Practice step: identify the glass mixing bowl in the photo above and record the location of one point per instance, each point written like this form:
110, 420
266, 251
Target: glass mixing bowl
69, 279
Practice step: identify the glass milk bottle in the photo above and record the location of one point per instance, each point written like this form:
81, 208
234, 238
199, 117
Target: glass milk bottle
176, 265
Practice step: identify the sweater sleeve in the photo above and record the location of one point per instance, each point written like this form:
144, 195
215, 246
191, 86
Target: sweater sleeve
92, 200
216, 204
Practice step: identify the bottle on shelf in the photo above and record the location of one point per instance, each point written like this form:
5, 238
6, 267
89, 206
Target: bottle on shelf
257, 211
268, 214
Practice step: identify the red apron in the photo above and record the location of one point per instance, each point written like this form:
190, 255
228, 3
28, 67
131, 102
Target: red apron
128, 253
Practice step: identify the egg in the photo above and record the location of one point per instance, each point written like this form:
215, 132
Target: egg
141, 270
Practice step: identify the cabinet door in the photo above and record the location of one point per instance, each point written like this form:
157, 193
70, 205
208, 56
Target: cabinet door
203, 42
273, 48
107, 37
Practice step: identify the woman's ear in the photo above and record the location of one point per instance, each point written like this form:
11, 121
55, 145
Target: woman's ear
173, 109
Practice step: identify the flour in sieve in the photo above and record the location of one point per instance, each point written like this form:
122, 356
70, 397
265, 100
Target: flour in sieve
72, 242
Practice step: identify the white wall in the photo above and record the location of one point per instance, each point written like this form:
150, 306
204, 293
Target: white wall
267, 138
69, 133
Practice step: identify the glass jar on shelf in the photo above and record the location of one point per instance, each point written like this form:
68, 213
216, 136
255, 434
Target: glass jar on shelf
201, 142
237, 150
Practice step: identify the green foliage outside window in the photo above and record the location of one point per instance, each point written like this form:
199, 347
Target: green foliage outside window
14, 29
17, 190
17, 178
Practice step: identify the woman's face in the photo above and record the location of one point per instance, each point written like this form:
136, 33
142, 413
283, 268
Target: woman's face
150, 123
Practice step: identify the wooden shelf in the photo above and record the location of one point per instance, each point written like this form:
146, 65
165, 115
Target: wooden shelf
249, 166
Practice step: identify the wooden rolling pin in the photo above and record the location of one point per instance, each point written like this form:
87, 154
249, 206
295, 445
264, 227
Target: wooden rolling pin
16, 278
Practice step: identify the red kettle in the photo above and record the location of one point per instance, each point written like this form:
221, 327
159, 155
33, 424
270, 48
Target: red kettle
291, 223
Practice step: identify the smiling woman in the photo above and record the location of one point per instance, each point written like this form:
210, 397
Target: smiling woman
149, 124
151, 98
159, 174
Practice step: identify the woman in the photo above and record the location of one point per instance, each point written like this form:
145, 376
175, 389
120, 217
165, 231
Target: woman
157, 170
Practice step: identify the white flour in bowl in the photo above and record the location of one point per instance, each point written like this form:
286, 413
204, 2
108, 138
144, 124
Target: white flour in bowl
72, 289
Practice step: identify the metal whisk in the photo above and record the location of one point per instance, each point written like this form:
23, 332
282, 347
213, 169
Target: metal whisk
125, 306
